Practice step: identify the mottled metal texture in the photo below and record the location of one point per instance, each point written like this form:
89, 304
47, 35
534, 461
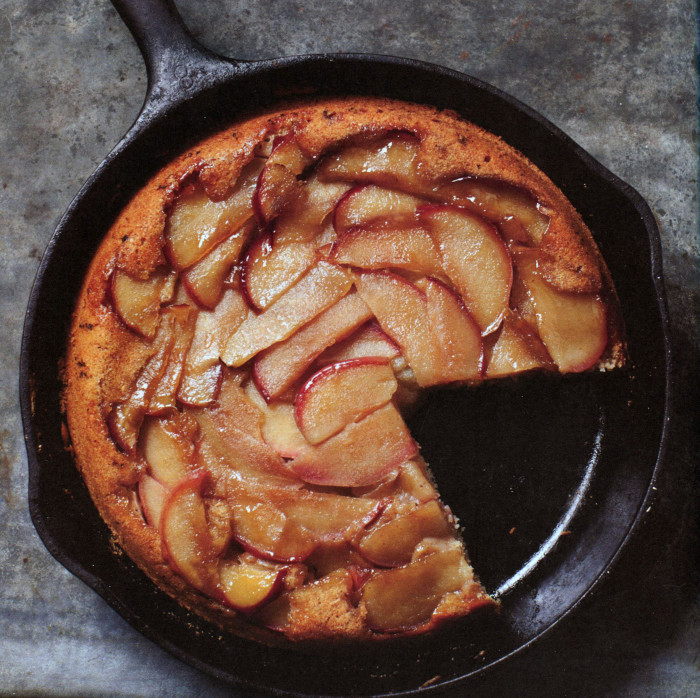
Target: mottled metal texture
620, 78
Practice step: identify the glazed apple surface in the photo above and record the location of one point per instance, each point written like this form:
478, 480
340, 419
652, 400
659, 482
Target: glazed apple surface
291, 320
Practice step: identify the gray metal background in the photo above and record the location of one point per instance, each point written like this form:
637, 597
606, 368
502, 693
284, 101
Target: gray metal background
619, 77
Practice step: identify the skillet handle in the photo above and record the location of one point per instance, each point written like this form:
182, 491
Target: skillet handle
175, 62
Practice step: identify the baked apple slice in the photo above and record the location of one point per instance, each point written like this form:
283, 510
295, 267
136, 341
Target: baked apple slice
367, 203
232, 444
391, 245
330, 558
410, 483
204, 281
317, 290
246, 585
391, 543
475, 259
389, 161
202, 373
279, 429
163, 399
168, 447
329, 517
515, 211
187, 544
402, 312
369, 341
229, 452
264, 531
196, 224
573, 326
271, 267
364, 453
404, 598
279, 367
152, 495
125, 418
456, 333
235, 404
278, 258
307, 216
278, 185
138, 301
340, 394
516, 349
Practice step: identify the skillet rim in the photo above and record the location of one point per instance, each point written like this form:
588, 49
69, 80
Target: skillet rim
150, 116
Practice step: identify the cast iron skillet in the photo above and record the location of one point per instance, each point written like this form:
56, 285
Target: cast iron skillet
549, 476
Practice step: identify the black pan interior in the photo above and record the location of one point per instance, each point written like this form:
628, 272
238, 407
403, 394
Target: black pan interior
548, 475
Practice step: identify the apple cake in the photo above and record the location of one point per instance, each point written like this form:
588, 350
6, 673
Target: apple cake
257, 322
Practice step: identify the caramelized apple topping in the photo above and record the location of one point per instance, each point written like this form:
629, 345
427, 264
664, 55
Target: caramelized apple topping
138, 301
297, 319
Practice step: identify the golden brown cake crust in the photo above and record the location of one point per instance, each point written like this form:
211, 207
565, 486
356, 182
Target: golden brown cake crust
104, 355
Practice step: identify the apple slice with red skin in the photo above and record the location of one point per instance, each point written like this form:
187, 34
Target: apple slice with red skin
202, 373
340, 394
196, 224
307, 216
204, 281
125, 418
279, 429
229, 468
517, 348
402, 312
278, 184
369, 341
264, 531
163, 399
187, 544
572, 326
515, 211
272, 267
168, 447
404, 598
232, 440
329, 517
456, 332
364, 453
389, 161
330, 557
247, 586
321, 287
233, 445
279, 367
367, 203
391, 543
152, 495
138, 301
411, 480
279, 257
475, 259
390, 245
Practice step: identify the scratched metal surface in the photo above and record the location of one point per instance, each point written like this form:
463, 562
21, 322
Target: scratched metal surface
619, 78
